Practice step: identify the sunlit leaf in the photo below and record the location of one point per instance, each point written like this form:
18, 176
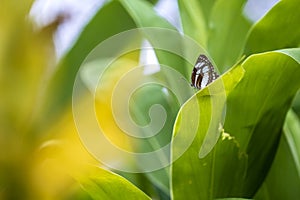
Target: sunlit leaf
259, 131
240, 160
102, 184
278, 29
193, 177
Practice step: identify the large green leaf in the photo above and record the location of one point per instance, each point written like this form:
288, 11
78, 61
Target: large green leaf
227, 32
255, 112
258, 131
103, 184
278, 29
283, 180
191, 176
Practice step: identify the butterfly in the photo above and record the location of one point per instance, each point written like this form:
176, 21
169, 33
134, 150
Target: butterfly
203, 73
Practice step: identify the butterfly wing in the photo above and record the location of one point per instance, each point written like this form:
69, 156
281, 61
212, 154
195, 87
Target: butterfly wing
203, 73
193, 76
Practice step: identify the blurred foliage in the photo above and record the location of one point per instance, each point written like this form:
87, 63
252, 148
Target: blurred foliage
26, 56
253, 151
37, 160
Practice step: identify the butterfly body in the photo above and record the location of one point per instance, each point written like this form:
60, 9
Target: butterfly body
203, 73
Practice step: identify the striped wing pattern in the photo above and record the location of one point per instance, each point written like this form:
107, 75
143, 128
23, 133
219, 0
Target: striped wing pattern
203, 73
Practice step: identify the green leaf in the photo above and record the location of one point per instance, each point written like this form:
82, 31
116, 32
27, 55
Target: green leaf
103, 184
232, 199
227, 32
77, 193
152, 1
195, 16
296, 104
191, 176
278, 29
293, 53
193, 20
255, 112
219, 26
265, 94
145, 16
207, 6
283, 180
141, 106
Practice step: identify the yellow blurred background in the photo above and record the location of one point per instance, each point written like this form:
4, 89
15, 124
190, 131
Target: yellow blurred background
36, 161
